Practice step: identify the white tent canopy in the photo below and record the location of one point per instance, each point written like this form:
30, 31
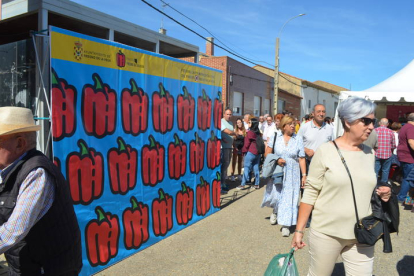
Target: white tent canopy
395, 88
398, 87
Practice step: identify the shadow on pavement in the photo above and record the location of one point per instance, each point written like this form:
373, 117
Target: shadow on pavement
405, 266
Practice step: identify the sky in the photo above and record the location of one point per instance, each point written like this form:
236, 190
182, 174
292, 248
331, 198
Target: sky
354, 44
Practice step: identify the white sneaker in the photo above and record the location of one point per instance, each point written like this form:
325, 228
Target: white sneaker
273, 219
285, 232
239, 177
232, 178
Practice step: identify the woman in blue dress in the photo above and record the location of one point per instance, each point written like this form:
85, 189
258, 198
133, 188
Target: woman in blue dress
285, 196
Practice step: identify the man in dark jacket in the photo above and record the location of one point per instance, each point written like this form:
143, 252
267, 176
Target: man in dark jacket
39, 232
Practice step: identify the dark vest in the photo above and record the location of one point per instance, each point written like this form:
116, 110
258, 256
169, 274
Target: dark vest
53, 244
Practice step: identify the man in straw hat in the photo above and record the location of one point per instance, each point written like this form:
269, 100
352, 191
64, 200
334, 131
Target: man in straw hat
39, 232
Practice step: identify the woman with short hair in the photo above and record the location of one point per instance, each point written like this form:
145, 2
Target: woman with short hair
284, 197
328, 195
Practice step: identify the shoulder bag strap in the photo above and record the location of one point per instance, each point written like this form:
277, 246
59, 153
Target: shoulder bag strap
352, 184
274, 141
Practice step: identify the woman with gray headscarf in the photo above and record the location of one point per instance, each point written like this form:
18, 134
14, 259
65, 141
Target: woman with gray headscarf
328, 195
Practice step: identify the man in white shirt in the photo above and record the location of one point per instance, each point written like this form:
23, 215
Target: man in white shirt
227, 136
315, 132
269, 129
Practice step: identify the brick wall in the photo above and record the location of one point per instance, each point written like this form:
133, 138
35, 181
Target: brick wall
292, 103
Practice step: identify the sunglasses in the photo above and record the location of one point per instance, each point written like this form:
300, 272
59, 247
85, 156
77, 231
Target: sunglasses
368, 121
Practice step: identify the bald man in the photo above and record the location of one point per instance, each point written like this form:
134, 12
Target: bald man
386, 144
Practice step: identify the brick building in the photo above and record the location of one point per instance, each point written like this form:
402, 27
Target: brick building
245, 90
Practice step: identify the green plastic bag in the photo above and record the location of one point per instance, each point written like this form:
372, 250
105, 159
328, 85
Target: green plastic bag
282, 265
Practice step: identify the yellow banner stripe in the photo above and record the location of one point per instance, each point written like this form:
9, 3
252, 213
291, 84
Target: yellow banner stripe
84, 51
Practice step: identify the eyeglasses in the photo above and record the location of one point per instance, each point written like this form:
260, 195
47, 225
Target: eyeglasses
368, 121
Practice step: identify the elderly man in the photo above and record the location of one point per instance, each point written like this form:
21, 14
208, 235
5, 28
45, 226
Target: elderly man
386, 144
315, 132
227, 136
39, 232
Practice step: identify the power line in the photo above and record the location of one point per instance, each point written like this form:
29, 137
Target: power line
167, 4
191, 30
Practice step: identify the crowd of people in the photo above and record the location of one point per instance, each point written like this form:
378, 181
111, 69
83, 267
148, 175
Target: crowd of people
315, 190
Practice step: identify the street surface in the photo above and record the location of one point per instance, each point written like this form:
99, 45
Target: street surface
239, 240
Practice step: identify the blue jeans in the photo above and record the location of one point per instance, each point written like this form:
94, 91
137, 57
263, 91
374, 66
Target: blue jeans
385, 164
251, 160
405, 185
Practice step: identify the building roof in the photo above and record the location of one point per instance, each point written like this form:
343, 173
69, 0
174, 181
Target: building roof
330, 86
18, 18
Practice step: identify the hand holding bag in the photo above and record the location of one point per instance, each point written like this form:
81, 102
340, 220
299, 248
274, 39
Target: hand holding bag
369, 229
282, 265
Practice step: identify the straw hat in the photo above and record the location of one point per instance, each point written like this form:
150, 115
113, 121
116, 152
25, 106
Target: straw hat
16, 120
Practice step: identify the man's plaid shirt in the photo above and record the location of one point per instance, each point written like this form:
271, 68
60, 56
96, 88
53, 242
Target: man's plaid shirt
386, 142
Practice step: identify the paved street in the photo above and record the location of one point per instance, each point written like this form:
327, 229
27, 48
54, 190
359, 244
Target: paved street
239, 240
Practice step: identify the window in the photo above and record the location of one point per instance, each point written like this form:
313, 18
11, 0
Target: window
256, 108
309, 104
335, 106
17, 74
237, 103
266, 106
281, 105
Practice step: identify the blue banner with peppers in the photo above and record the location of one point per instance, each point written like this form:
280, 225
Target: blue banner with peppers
137, 136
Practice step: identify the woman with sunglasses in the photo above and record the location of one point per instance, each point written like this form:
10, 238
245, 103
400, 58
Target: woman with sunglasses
252, 157
328, 195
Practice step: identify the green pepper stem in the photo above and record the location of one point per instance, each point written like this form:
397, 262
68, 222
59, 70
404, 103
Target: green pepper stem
121, 144
184, 187
101, 214
54, 78
134, 203
162, 194
162, 89
134, 87
152, 141
176, 139
98, 81
185, 90
83, 147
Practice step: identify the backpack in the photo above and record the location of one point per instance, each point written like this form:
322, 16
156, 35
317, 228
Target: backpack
260, 146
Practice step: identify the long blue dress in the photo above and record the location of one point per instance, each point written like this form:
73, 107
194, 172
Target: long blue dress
284, 198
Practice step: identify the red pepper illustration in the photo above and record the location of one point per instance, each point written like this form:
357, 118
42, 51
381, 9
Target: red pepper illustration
102, 238
134, 109
162, 110
122, 165
218, 111
177, 158
162, 218
204, 111
216, 188
136, 221
98, 108
185, 111
213, 151
63, 108
196, 154
184, 202
120, 59
202, 197
84, 171
152, 168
